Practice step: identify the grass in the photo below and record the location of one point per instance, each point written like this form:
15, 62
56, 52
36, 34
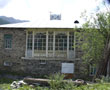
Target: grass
104, 86
55, 84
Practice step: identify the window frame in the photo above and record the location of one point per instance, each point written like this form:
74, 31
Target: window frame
71, 41
8, 41
40, 41
60, 42
92, 70
29, 40
50, 41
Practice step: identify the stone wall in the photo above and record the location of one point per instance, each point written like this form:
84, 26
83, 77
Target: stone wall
29, 66
17, 51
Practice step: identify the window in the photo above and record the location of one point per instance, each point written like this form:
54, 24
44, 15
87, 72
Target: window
42, 61
55, 17
71, 41
40, 41
92, 70
8, 41
50, 41
51, 44
61, 42
6, 63
29, 42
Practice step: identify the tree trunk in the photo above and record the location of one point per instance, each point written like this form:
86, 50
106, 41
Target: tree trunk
102, 70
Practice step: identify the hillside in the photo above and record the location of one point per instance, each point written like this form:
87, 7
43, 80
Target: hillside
9, 20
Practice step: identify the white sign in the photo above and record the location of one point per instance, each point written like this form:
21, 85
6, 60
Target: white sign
67, 68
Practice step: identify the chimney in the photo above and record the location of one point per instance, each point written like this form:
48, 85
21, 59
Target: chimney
76, 22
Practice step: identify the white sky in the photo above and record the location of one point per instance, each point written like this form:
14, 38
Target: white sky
40, 9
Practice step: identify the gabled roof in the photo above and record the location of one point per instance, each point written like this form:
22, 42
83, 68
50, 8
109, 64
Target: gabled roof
43, 24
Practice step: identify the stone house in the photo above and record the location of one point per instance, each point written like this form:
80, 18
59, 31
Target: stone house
40, 48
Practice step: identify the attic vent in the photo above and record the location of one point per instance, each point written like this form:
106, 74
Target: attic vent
42, 61
55, 16
76, 21
7, 63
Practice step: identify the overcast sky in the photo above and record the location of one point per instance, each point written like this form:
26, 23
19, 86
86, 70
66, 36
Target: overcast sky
40, 9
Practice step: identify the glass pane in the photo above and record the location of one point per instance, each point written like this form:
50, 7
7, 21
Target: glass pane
40, 41
29, 40
50, 40
71, 41
8, 41
61, 42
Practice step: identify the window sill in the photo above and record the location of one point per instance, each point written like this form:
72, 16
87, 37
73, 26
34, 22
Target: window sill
46, 58
8, 48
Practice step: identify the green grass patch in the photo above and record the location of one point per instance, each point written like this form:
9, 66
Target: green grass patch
58, 85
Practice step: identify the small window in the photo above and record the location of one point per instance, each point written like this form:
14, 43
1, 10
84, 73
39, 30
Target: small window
8, 41
92, 70
7, 63
61, 42
40, 41
55, 17
42, 61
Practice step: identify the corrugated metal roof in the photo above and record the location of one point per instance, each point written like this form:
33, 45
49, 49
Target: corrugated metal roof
43, 24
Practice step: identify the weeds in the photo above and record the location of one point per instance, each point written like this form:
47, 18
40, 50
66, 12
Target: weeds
103, 79
56, 83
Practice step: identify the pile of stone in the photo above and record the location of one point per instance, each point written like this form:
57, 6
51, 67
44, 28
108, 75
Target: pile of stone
18, 84
32, 82
79, 82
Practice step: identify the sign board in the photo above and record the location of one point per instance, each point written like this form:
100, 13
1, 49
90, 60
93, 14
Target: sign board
67, 68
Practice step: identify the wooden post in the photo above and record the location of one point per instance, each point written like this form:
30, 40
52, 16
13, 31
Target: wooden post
68, 44
54, 44
33, 44
74, 45
26, 43
46, 43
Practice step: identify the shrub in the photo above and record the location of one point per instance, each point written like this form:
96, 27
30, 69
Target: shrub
56, 81
103, 79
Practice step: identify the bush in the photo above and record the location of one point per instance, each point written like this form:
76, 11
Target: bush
103, 79
56, 81
5, 80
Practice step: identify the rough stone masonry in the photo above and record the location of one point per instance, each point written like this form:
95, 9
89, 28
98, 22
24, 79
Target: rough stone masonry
31, 66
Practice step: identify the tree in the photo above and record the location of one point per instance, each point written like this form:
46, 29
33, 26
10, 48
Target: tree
103, 22
96, 41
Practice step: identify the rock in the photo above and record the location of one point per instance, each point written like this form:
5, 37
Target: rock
18, 84
79, 82
32, 86
14, 85
22, 82
36, 84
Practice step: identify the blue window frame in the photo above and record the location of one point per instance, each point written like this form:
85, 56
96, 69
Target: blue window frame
8, 41
92, 70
